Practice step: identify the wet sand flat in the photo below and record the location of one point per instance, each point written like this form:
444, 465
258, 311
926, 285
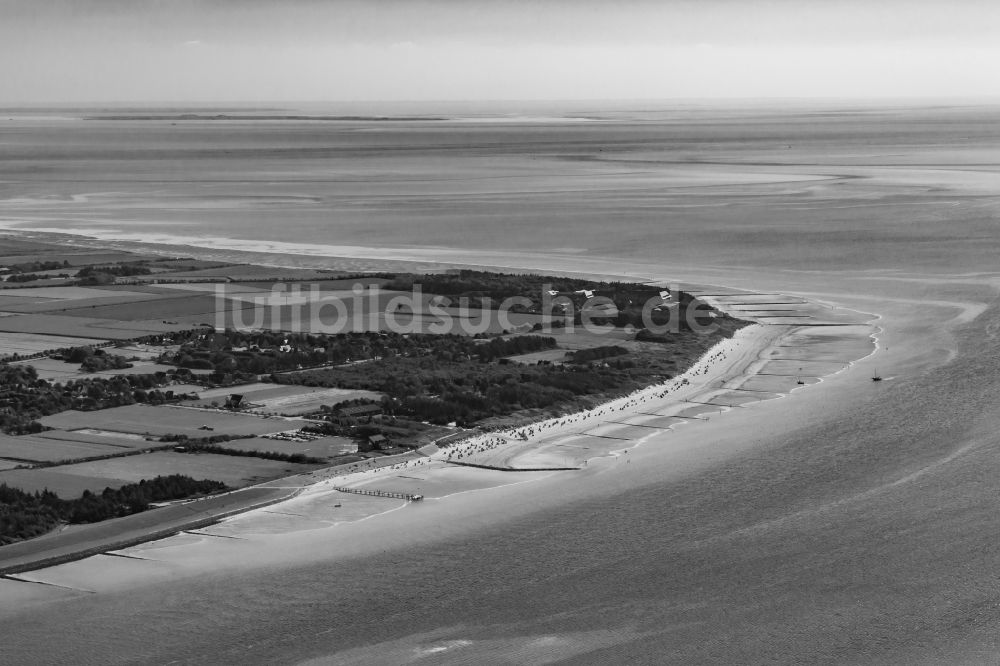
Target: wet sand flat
850, 522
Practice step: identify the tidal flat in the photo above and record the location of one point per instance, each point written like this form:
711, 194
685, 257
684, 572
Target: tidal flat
848, 522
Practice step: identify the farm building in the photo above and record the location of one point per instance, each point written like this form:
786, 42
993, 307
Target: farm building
359, 413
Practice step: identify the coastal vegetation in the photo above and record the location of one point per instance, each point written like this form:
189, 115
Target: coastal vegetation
24, 515
464, 380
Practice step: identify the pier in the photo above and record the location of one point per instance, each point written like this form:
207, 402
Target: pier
381, 493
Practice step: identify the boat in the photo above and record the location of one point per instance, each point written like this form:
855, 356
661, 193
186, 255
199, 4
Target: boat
876, 377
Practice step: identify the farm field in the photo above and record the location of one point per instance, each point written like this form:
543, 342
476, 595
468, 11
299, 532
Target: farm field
165, 307
70, 293
65, 485
575, 339
31, 343
57, 253
38, 449
178, 265
17, 304
184, 388
144, 368
163, 420
142, 352
231, 470
119, 313
550, 355
222, 393
213, 287
59, 306
120, 440
88, 327
349, 283
325, 447
60, 371
291, 400
249, 271
488, 321
310, 401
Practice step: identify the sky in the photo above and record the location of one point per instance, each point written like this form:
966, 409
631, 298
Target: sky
183, 51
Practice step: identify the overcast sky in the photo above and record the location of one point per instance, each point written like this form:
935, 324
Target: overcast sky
281, 50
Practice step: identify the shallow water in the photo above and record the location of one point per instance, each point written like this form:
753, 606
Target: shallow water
849, 523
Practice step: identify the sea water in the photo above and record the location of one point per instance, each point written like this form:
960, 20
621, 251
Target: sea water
852, 522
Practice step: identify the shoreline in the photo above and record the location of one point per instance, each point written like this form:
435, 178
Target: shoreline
549, 437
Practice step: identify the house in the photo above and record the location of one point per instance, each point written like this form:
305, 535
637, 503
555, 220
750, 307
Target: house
375, 443
234, 401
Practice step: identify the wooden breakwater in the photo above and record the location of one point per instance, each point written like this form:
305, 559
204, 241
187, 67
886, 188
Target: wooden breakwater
381, 493
513, 469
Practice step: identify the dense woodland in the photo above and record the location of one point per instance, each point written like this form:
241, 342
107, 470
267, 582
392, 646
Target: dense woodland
597, 353
240, 356
30, 277
448, 382
489, 290
35, 266
95, 360
24, 515
116, 270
